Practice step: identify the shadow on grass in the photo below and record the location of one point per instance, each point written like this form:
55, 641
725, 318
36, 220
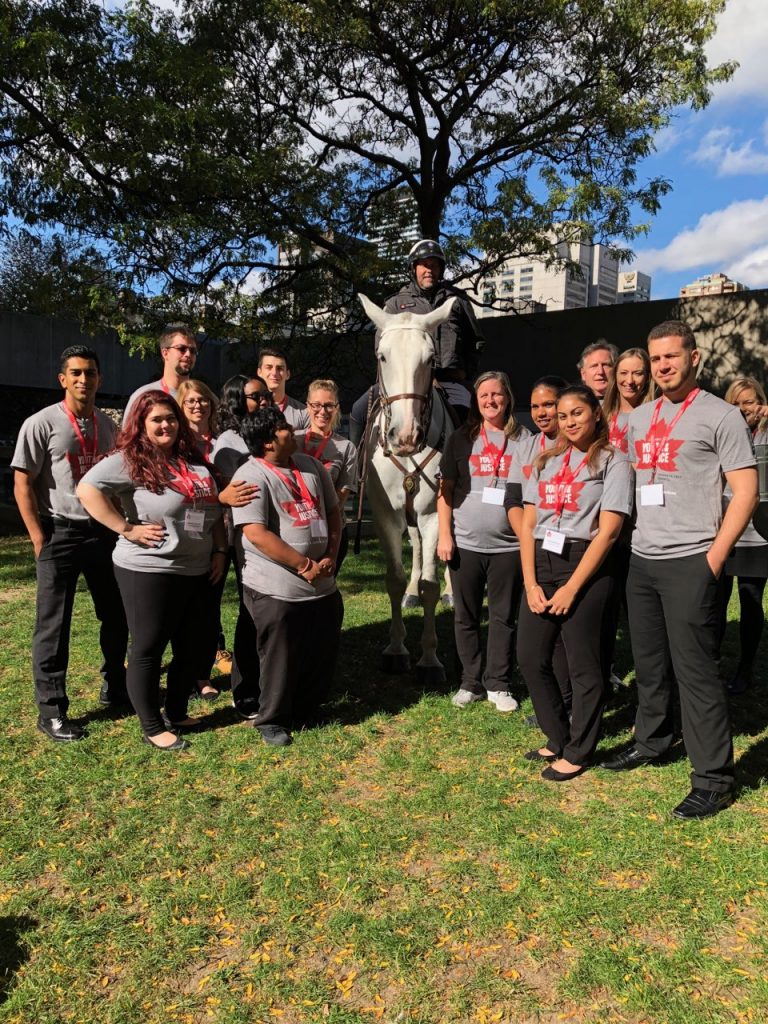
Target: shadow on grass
13, 951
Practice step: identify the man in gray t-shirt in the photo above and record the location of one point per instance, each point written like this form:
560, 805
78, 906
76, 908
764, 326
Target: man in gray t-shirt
54, 449
682, 446
178, 350
273, 368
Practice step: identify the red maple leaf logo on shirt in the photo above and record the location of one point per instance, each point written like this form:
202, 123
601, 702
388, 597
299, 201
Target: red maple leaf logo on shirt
618, 437
483, 463
301, 512
560, 492
202, 486
656, 440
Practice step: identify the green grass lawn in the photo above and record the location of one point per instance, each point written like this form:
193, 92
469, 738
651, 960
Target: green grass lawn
403, 863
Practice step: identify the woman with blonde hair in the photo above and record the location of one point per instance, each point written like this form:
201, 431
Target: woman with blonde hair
575, 503
477, 542
323, 442
630, 387
748, 562
199, 404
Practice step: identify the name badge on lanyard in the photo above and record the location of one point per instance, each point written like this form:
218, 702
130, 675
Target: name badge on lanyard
652, 494
493, 496
194, 523
554, 541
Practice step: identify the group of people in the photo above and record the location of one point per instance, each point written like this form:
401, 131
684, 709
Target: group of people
639, 487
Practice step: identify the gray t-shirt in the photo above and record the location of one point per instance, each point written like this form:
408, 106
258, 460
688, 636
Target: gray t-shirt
479, 525
709, 439
156, 385
49, 450
295, 413
229, 453
569, 496
281, 509
338, 455
750, 538
618, 425
186, 550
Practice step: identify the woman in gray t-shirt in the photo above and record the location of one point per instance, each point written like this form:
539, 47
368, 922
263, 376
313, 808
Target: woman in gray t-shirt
575, 502
170, 552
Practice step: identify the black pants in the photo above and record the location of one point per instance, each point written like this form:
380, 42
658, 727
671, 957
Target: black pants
621, 553
581, 632
471, 572
751, 616
298, 645
245, 655
163, 608
70, 549
673, 619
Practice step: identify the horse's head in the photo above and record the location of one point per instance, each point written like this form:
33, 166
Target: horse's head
405, 353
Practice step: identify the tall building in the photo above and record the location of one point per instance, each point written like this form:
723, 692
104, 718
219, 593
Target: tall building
711, 284
527, 284
634, 286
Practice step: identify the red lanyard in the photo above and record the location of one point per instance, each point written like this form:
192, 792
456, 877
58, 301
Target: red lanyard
660, 441
182, 480
542, 441
318, 450
282, 403
559, 480
206, 445
164, 387
87, 448
490, 448
300, 492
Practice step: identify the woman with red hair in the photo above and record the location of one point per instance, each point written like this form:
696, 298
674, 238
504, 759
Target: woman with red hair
171, 550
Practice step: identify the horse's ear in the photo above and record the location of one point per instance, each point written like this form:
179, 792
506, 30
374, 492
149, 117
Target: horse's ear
376, 315
438, 316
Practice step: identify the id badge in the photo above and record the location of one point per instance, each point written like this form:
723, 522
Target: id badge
652, 494
554, 541
318, 529
194, 523
493, 496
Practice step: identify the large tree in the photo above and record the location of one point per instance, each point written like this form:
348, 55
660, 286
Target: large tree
193, 144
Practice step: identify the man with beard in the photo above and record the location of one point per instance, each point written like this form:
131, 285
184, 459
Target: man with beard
178, 350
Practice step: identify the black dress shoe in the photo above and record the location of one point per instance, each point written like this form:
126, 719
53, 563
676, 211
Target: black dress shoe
60, 729
179, 744
629, 759
702, 803
740, 683
247, 708
114, 698
274, 735
536, 755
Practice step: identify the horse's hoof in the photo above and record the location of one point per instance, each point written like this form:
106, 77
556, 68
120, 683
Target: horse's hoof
396, 664
447, 600
410, 601
430, 675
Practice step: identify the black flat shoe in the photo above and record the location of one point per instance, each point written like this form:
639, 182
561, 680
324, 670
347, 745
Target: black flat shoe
740, 683
274, 735
553, 775
61, 730
536, 755
179, 744
702, 803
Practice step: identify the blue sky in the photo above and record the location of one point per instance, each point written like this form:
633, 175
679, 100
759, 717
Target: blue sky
716, 217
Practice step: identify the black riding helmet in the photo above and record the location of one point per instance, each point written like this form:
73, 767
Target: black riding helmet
422, 250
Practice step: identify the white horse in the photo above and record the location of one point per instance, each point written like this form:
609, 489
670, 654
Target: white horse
403, 442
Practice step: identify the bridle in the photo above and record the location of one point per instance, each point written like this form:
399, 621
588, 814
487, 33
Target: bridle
386, 401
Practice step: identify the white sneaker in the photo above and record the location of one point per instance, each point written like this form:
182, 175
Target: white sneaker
502, 700
462, 698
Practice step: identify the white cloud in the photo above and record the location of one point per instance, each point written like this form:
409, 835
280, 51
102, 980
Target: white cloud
751, 269
722, 237
742, 35
717, 148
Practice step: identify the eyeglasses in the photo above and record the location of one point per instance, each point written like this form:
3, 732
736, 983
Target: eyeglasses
265, 397
325, 406
189, 403
184, 349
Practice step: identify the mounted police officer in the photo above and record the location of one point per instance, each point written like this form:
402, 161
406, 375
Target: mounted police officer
458, 341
